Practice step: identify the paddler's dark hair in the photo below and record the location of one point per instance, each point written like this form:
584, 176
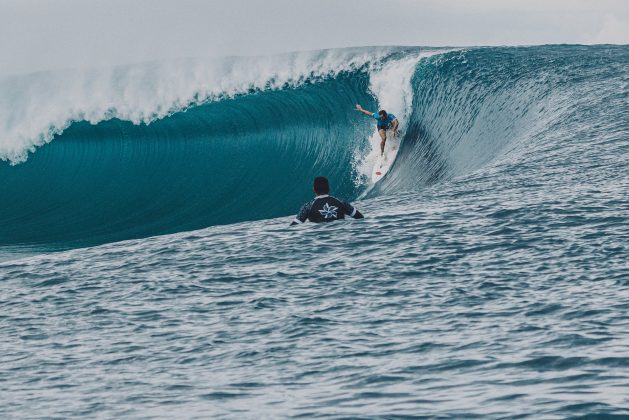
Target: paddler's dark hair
383, 113
321, 185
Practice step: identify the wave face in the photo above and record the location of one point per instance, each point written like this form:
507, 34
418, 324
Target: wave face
474, 106
166, 147
226, 161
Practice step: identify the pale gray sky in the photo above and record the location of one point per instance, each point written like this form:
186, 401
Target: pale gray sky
49, 34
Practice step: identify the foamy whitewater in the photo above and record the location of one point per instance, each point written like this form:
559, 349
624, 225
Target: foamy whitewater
148, 271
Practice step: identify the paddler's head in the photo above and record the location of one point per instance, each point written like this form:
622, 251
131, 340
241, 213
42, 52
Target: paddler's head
383, 115
321, 185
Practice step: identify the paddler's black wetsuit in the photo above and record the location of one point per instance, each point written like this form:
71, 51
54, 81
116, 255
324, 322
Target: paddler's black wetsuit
325, 208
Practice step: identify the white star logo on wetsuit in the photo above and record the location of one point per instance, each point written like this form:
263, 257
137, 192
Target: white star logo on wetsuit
328, 211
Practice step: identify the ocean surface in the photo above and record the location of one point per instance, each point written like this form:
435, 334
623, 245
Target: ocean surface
147, 269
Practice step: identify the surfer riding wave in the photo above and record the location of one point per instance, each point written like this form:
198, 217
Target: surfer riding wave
385, 122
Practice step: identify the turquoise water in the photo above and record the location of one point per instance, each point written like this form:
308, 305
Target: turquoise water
490, 277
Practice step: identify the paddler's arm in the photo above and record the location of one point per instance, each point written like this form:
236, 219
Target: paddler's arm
302, 216
395, 124
358, 215
364, 111
352, 211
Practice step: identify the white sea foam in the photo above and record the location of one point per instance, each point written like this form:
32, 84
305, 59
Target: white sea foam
35, 107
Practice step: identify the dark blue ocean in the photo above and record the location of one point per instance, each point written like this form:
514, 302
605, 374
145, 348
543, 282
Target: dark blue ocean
147, 269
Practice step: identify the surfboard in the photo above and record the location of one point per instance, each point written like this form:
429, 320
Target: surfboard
383, 163
380, 168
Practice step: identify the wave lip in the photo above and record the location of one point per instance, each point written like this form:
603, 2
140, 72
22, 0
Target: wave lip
38, 106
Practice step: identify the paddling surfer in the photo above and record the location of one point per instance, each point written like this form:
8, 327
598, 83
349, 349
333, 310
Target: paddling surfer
384, 122
324, 207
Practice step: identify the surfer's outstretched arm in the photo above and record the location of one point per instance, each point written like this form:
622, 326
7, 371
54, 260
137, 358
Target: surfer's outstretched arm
364, 111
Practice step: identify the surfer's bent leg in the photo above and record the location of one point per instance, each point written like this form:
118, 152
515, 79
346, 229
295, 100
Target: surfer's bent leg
383, 135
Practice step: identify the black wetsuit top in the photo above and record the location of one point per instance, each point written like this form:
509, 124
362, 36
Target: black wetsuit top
325, 208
